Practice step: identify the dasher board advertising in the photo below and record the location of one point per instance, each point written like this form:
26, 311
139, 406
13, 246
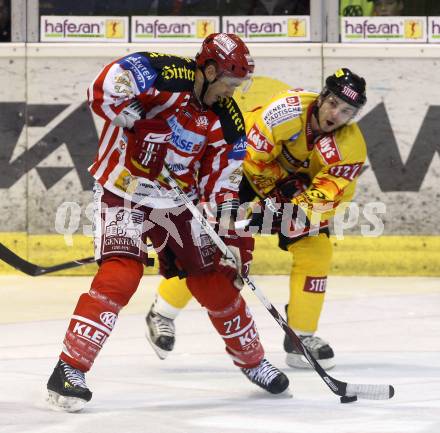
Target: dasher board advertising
59, 28
172, 29
383, 29
269, 28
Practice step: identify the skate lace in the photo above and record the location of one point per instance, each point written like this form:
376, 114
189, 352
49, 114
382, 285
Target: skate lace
163, 325
313, 343
74, 376
264, 373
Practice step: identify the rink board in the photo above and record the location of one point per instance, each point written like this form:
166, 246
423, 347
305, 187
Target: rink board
45, 154
353, 255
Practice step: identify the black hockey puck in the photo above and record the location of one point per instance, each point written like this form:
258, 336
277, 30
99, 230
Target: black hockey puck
348, 399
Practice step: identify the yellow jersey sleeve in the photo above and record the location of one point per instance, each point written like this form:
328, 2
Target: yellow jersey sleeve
335, 165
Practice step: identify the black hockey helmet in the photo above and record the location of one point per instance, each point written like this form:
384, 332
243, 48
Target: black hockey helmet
347, 86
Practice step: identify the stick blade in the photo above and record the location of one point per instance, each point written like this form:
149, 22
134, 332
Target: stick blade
370, 392
17, 262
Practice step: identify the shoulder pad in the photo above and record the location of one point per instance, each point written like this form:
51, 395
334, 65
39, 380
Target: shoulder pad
174, 73
232, 122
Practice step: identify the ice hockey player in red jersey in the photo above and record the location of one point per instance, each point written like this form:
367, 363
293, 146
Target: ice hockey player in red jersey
163, 109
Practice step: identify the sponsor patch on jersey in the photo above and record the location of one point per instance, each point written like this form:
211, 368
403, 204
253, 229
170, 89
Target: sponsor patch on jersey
234, 117
328, 149
183, 139
239, 150
315, 284
123, 231
141, 69
123, 84
258, 141
123, 142
177, 167
235, 177
346, 171
202, 122
282, 111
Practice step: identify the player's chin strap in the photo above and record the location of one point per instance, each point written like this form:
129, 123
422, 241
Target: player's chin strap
372, 392
205, 86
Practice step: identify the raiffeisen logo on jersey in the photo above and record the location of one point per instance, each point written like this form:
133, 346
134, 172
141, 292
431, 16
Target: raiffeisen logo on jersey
269, 28
172, 28
383, 29
183, 139
56, 28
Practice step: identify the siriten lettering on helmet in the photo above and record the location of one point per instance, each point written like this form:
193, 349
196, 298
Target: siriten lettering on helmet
348, 86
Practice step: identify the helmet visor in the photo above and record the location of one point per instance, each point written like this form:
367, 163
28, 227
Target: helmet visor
237, 83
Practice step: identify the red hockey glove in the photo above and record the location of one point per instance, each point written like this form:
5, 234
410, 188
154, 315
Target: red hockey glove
150, 149
241, 247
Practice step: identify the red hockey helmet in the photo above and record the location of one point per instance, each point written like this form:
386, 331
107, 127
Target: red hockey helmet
230, 54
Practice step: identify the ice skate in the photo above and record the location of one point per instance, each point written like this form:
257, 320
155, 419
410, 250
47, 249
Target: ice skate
160, 333
268, 377
67, 389
319, 348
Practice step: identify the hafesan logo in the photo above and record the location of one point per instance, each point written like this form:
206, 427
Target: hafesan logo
114, 29
413, 29
204, 28
296, 28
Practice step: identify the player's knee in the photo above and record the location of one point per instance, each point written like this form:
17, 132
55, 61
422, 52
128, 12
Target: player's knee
118, 278
312, 252
212, 290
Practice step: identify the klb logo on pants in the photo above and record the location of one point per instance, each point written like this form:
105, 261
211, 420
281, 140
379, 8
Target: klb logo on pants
108, 319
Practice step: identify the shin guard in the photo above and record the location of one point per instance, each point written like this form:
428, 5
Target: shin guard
230, 316
96, 312
91, 324
236, 326
308, 278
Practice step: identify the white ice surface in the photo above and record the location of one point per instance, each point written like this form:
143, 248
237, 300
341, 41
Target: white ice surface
383, 330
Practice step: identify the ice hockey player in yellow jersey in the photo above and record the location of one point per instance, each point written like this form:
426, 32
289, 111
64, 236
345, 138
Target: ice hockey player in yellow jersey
304, 154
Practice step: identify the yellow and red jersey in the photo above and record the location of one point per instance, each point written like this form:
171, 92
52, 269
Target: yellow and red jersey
281, 142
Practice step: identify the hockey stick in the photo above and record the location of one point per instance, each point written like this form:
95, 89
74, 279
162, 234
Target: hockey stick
343, 389
34, 270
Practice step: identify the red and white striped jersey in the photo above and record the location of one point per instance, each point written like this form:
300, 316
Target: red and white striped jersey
208, 144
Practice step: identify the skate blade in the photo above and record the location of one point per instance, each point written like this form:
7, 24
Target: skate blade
61, 403
299, 361
162, 354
